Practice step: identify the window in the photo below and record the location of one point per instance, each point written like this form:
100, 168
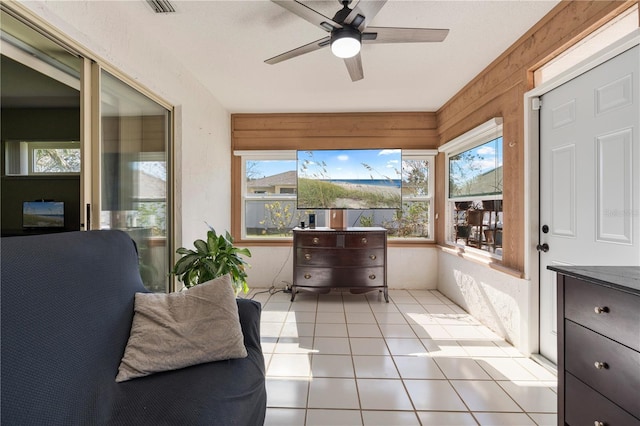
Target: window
269, 198
414, 220
42, 158
150, 201
474, 188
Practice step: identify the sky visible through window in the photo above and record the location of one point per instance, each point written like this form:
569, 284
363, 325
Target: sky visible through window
350, 164
264, 168
486, 157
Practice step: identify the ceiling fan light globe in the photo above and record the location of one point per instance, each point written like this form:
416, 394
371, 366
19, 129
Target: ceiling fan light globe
345, 42
345, 47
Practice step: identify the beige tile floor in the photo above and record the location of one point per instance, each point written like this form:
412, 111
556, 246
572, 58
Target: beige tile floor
343, 359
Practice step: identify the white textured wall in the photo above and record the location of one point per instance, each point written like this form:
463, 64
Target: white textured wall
112, 31
408, 268
498, 300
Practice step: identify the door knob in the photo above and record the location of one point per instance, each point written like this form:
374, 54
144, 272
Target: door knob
543, 247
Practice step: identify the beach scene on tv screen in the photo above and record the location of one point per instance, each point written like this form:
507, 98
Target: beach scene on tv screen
39, 214
350, 179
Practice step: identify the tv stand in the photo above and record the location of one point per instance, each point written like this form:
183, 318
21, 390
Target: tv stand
353, 258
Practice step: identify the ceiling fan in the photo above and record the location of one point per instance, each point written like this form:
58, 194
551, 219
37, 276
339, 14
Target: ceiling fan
348, 30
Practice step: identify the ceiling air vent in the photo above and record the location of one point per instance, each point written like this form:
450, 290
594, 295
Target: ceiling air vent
161, 6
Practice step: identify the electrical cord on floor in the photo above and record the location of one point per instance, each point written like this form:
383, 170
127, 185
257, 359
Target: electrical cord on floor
272, 290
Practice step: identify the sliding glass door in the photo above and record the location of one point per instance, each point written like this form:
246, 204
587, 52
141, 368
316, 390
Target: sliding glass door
134, 174
75, 133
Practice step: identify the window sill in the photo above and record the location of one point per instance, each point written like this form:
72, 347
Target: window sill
480, 258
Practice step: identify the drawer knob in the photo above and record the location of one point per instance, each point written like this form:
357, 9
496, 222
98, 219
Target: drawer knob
372, 277
601, 309
373, 257
364, 240
599, 423
307, 276
600, 365
307, 256
315, 240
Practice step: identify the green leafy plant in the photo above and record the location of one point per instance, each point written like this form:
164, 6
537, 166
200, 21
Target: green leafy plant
212, 258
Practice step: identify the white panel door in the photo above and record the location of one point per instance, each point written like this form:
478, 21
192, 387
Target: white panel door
589, 177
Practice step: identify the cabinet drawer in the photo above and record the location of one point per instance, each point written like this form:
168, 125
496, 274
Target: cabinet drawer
338, 258
617, 378
613, 313
365, 239
585, 406
339, 277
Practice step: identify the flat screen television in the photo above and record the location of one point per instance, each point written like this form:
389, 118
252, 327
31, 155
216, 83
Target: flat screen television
43, 214
359, 179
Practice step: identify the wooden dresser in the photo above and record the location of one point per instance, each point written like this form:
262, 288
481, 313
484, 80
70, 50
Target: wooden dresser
354, 258
598, 345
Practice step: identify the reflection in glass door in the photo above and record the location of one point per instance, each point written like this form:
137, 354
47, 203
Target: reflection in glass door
134, 164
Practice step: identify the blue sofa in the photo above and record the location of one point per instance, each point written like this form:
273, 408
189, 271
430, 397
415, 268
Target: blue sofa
66, 312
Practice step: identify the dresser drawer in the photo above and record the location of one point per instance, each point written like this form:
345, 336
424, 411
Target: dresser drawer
586, 407
609, 367
339, 277
337, 258
365, 239
608, 311
316, 239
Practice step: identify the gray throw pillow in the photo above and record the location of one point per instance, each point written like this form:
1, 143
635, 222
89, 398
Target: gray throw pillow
176, 330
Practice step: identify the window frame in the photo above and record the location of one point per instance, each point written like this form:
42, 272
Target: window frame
243, 156
430, 156
486, 132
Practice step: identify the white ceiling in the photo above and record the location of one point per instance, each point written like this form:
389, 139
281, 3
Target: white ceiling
225, 44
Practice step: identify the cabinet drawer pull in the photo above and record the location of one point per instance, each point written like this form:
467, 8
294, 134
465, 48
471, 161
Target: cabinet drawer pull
373, 257
307, 276
364, 240
601, 310
307, 256
598, 423
372, 277
600, 365
315, 240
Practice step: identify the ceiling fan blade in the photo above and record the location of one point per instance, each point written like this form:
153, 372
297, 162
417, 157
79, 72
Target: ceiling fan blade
364, 12
404, 35
308, 14
354, 66
316, 45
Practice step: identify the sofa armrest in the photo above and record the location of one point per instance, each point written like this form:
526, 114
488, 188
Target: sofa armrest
249, 312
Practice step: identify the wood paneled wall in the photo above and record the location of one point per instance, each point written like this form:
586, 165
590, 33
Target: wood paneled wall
499, 92
415, 130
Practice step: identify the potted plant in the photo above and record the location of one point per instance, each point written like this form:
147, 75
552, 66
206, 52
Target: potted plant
212, 258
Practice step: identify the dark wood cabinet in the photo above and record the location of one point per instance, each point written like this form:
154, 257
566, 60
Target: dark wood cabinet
598, 345
355, 258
